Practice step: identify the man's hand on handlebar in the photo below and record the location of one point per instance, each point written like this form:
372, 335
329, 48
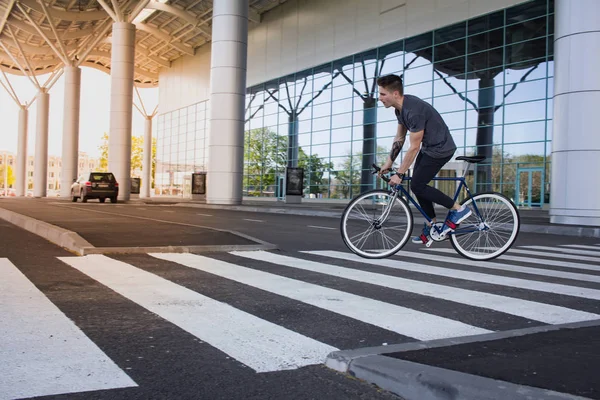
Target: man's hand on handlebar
395, 180
385, 168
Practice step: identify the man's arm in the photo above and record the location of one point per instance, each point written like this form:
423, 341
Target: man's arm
396, 147
415, 145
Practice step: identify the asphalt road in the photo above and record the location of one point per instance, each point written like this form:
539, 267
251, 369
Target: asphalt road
152, 322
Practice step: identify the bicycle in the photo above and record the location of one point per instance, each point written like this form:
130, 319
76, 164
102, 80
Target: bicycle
487, 233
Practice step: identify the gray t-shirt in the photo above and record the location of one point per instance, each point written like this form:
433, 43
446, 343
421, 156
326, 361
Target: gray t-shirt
418, 115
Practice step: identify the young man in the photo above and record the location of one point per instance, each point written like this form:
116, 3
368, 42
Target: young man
430, 143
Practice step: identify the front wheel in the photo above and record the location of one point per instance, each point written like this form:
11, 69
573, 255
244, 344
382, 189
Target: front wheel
370, 231
491, 228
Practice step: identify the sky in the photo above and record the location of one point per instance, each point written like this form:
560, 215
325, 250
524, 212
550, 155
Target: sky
94, 117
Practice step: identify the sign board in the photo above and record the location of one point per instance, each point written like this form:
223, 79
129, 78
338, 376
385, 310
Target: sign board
294, 185
135, 185
199, 183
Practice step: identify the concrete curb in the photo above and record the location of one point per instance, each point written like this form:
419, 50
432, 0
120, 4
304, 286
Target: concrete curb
414, 381
57, 235
73, 242
590, 232
176, 249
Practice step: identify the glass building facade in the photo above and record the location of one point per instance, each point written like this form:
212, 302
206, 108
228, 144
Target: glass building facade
490, 77
181, 148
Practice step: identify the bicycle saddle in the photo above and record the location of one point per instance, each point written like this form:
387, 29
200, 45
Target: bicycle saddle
471, 159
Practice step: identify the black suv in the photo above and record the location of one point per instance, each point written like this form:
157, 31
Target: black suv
98, 185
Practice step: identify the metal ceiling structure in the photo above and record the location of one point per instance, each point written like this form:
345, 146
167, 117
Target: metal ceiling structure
41, 36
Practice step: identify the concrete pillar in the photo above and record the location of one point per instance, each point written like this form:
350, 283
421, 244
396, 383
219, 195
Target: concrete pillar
21, 183
147, 161
227, 97
5, 165
70, 142
40, 172
121, 103
576, 142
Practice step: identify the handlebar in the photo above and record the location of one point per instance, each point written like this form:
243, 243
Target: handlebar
376, 171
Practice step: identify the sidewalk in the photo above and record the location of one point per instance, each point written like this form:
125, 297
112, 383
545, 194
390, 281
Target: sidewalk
532, 220
522, 364
85, 231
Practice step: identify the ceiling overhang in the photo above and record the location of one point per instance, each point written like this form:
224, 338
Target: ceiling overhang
42, 36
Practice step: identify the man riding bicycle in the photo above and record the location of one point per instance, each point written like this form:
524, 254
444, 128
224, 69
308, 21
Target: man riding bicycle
430, 143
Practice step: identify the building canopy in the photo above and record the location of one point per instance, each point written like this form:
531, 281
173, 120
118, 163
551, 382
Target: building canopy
42, 36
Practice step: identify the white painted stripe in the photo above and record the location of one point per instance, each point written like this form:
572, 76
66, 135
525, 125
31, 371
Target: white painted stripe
168, 211
253, 220
562, 250
563, 256
43, 352
581, 246
528, 260
503, 267
261, 345
547, 313
408, 322
321, 227
205, 215
140, 208
470, 275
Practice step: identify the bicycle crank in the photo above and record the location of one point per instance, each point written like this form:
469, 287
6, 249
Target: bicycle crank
436, 233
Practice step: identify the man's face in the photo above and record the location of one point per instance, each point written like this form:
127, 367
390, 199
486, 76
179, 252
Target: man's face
387, 97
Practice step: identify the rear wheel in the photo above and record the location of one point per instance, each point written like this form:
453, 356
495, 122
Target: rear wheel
366, 229
113, 199
489, 233
73, 197
84, 198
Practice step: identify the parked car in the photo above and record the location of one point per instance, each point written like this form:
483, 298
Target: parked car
96, 185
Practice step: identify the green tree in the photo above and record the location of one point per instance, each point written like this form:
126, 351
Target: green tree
104, 153
11, 176
137, 155
264, 151
314, 170
348, 177
265, 155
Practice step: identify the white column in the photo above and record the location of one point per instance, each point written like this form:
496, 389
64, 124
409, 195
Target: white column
227, 97
121, 103
5, 164
147, 161
40, 172
576, 142
70, 141
21, 184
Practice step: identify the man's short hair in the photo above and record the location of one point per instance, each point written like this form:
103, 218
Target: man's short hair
392, 83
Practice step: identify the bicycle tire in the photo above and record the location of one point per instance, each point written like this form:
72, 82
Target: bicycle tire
374, 201
498, 217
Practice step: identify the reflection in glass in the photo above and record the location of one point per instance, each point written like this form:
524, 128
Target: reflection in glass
490, 80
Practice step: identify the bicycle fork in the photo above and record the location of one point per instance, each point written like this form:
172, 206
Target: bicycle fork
386, 212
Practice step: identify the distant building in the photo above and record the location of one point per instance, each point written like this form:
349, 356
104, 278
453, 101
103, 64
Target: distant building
86, 165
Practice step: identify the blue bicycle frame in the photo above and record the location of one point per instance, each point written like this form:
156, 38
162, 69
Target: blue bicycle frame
401, 189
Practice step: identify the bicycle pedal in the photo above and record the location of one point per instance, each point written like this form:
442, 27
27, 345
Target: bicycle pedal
429, 243
451, 224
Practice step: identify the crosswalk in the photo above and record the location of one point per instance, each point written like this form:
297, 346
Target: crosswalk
326, 297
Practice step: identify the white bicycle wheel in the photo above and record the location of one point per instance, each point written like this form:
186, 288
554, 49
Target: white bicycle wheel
489, 233
370, 231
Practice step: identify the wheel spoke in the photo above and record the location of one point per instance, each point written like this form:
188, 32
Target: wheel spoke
501, 222
363, 231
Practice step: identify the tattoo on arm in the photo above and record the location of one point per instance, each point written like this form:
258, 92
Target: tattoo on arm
397, 145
